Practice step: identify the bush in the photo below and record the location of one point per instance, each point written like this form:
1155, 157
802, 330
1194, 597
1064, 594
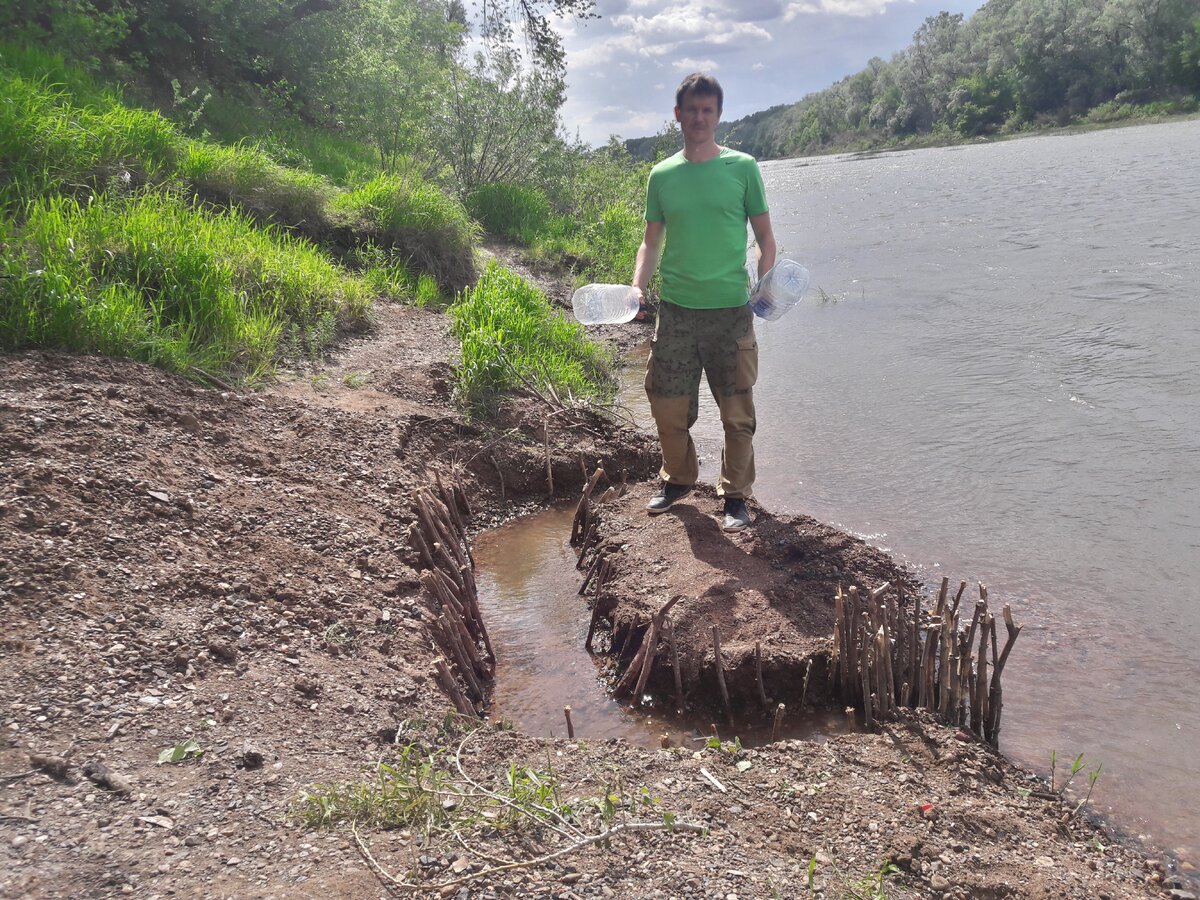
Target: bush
424, 225
157, 279
511, 334
510, 210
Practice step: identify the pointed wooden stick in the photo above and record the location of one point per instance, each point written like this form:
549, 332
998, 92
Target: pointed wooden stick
804, 691
777, 722
450, 686
570, 726
670, 625
716, 633
762, 692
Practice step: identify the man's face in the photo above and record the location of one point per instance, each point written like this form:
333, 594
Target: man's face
698, 117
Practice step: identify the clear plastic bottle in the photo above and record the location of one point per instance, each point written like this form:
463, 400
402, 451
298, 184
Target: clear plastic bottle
605, 304
779, 290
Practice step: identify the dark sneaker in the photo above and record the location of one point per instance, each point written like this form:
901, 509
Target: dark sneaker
667, 495
737, 517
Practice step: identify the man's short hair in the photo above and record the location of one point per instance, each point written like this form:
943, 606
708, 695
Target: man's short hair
702, 85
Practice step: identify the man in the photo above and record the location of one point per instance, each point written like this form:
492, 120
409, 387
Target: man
699, 201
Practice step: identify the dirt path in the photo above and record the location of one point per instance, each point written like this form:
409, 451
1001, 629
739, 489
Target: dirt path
180, 564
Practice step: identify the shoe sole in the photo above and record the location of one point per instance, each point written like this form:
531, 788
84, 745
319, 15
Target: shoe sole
739, 526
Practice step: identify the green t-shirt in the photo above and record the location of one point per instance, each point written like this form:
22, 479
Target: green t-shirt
705, 206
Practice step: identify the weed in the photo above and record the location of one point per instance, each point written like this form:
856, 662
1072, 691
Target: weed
1078, 765
354, 379
343, 635
181, 752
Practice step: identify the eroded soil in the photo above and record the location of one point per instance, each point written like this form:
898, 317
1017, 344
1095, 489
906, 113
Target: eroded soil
183, 563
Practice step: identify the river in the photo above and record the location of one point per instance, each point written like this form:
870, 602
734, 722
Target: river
997, 377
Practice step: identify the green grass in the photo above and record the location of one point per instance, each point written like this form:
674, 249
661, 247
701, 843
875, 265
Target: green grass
418, 222
49, 145
122, 235
510, 210
153, 277
511, 336
246, 176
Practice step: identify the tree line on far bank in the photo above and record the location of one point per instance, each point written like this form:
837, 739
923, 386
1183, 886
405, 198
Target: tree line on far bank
1015, 65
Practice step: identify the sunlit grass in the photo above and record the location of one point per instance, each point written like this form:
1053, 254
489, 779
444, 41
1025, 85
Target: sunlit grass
512, 337
152, 277
419, 222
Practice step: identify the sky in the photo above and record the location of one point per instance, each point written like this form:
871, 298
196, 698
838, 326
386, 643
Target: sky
623, 68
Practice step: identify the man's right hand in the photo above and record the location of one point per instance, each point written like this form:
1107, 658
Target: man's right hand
642, 315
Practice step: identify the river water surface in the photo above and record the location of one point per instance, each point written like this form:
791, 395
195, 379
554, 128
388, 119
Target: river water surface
1002, 383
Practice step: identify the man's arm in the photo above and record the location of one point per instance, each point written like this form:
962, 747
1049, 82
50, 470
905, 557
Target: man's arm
647, 257
765, 236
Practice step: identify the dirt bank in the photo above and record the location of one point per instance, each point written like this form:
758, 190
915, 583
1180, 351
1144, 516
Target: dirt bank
180, 565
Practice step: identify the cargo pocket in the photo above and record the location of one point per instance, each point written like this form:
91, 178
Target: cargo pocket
746, 364
648, 384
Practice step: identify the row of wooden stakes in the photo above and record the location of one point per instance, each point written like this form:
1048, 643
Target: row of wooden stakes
887, 657
439, 536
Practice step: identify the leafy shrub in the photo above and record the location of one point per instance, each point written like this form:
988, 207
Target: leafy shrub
510, 335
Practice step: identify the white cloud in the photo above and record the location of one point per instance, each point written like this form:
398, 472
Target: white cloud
687, 64
854, 8
623, 67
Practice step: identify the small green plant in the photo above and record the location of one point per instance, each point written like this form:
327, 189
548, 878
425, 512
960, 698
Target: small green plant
354, 379
874, 886
182, 752
1078, 765
343, 635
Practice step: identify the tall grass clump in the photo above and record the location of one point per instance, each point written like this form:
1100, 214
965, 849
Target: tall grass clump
511, 336
418, 221
510, 210
250, 178
47, 144
155, 278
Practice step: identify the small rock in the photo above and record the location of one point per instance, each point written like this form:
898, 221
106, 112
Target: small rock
309, 687
222, 650
1044, 862
250, 758
938, 883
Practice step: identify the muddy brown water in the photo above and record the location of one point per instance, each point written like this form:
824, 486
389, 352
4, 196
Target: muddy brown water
528, 592
1003, 384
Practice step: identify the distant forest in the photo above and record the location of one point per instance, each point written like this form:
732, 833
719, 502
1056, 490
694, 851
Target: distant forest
1015, 65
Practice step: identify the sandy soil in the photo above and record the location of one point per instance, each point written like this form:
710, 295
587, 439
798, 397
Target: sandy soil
179, 563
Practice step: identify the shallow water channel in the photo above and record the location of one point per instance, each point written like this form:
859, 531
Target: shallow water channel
528, 593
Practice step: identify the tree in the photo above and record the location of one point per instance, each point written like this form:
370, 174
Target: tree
500, 119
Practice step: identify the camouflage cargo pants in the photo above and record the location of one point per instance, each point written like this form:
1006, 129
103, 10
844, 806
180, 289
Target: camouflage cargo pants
721, 344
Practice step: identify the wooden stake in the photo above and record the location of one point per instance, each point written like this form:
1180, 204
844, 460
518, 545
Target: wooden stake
996, 695
716, 633
633, 675
762, 693
570, 727
778, 721
675, 664
450, 686
804, 691
840, 649
549, 464
647, 660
